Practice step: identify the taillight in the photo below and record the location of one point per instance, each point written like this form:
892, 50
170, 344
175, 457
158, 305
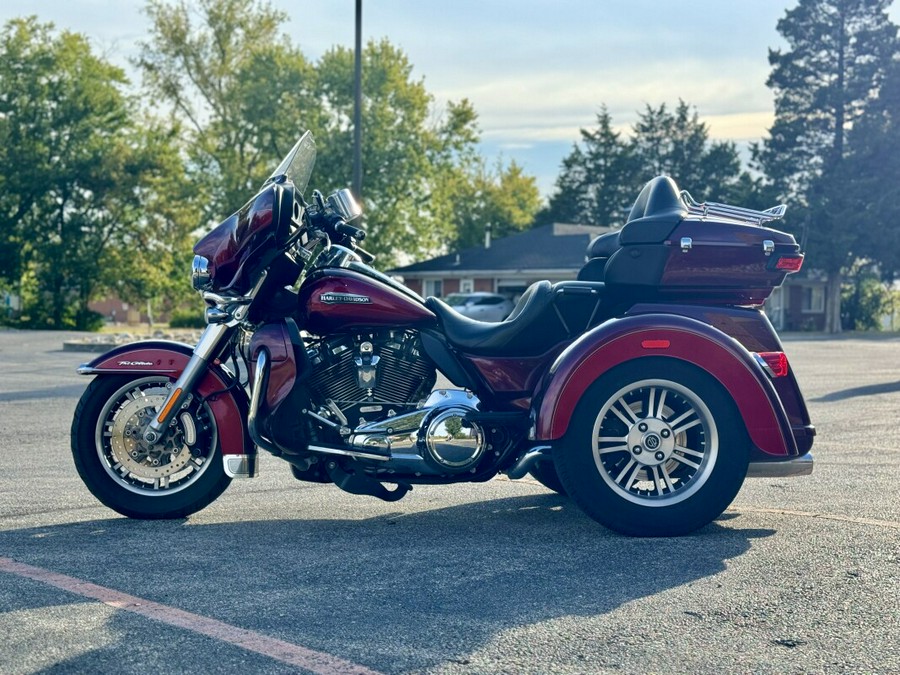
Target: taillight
789, 263
774, 363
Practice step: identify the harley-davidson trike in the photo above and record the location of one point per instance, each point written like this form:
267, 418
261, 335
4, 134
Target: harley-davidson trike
646, 390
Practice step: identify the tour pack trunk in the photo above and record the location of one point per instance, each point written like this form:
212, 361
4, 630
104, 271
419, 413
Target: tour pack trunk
710, 261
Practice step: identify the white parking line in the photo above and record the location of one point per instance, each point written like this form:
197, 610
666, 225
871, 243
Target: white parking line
891, 524
286, 652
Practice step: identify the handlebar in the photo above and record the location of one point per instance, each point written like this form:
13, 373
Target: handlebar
348, 230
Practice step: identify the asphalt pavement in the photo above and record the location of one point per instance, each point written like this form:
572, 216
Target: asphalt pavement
800, 575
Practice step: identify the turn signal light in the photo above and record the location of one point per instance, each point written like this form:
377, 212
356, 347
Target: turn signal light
775, 362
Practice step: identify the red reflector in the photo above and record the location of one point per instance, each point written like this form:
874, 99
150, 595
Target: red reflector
655, 344
777, 361
789, 263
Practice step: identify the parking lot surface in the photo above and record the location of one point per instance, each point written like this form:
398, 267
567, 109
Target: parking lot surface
799, 575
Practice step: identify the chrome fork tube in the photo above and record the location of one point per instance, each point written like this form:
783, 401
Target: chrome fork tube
184, 385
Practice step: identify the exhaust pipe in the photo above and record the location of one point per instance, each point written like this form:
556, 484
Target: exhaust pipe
526, 461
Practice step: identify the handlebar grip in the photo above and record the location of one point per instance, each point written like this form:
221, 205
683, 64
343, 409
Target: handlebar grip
350, 231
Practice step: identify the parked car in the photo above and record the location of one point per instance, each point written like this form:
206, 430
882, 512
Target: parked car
481, 306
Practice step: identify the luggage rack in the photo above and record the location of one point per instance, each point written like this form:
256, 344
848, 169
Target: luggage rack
739, 213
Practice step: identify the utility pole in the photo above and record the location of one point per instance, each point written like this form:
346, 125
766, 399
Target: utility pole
357, 107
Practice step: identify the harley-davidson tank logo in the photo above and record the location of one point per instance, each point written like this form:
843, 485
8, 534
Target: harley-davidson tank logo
344, 299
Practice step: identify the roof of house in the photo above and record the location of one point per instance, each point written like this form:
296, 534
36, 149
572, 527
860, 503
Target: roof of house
556, 246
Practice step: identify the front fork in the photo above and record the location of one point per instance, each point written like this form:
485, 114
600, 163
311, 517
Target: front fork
206, 349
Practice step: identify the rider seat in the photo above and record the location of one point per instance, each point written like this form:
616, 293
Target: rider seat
544, 316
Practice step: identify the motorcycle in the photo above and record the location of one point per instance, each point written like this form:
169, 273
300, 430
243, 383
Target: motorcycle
646, 390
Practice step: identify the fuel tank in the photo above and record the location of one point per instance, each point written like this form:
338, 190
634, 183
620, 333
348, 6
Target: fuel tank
337, 300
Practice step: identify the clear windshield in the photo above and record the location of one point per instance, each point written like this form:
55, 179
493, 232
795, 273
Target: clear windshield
297, 166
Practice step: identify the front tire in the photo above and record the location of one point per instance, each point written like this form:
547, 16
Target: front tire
656, 448
171, 479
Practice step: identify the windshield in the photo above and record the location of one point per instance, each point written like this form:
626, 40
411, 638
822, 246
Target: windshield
297, 166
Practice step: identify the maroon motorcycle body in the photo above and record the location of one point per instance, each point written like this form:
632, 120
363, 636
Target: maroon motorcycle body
646, 390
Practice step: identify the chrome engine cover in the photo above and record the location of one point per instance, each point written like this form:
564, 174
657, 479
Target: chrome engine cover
450, 441
433, 440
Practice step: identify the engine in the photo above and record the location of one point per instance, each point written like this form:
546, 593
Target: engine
362, 378
377, 387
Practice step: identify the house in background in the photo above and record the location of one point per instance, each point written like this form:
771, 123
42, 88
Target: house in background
798, 304
510, 265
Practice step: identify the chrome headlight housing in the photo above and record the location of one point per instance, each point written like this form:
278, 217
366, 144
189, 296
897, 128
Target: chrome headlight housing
201, 278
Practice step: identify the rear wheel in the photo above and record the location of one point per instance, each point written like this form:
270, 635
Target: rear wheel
545, 474
171, 479
656, 447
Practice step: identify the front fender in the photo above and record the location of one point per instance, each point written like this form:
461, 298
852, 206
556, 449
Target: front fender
619, 340
163, 357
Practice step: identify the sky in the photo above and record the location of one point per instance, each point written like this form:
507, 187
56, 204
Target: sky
536, 71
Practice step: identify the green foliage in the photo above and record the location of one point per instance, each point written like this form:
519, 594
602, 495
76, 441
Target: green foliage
870, 179
402, 153
839, 53
72, 160
502, 198
598, 181
243, 92
187, 318
864, 300
601, 177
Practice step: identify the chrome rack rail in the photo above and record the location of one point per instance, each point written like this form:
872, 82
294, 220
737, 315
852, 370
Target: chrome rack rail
739, 213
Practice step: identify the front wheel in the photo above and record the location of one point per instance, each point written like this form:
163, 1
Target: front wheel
171, 479
656, 447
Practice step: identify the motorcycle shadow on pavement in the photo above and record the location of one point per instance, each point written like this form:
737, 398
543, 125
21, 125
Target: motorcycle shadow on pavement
854, 392
396, 591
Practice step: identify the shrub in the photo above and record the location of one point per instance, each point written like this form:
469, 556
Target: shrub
187, 318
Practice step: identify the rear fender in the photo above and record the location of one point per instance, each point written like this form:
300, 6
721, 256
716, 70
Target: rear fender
664, 335
162, 357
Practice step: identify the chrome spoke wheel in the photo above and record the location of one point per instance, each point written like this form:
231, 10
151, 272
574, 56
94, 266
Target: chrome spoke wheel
655, 442
176, 462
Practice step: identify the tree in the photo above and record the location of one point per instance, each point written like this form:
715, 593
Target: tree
243, 92
677, 144
601, 177
839, 51
404, 154
502, 198
72, 162
865, 300
870, 176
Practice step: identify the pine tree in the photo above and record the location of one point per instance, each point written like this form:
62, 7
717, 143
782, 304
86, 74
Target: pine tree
598, 181
837, 56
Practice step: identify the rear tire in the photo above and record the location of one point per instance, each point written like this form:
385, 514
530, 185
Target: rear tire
544, 472
656, 448
172, 479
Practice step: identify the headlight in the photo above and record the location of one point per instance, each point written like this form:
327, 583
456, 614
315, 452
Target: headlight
201, 278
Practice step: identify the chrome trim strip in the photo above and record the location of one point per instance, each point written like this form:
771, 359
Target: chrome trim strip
346, 453
800, 466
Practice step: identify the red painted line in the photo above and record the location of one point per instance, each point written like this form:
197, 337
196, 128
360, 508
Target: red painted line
286, 652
